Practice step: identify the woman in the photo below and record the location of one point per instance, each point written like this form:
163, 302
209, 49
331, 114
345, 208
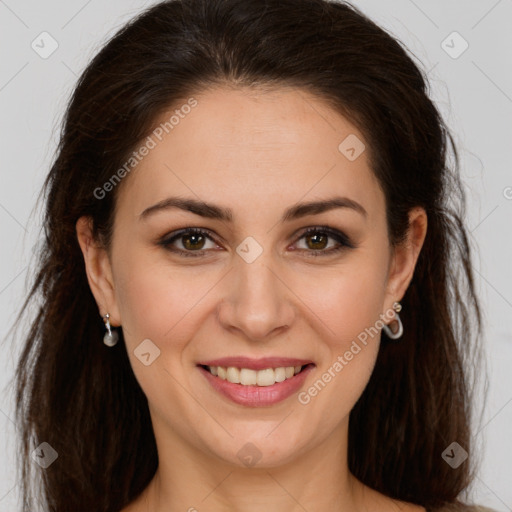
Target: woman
251, 208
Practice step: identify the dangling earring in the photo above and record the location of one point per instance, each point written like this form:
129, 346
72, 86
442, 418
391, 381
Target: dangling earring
395, 333
111, 337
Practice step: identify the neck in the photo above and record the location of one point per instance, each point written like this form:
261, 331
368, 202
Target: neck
191, 479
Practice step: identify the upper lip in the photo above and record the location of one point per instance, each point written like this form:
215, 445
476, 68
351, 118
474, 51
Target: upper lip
256, 364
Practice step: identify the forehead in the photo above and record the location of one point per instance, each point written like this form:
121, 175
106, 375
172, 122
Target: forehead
249, 150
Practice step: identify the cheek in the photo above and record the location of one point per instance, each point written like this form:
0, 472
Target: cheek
158, 306
347, 300
348, 307
158, 301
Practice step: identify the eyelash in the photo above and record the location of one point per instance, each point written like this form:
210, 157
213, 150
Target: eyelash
340, 237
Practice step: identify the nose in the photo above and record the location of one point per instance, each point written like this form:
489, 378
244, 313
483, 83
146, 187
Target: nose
258, 302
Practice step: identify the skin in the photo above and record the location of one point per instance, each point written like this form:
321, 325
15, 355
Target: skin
257, 153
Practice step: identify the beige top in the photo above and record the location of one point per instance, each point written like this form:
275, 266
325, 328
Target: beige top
455, 507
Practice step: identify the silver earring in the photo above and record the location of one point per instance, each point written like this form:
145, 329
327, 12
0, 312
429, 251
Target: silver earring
397, 332
111, 337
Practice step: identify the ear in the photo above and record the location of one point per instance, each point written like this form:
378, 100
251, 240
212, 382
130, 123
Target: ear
98, 270
404, 258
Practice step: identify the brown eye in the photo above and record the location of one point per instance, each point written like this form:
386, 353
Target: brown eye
192, 242
317, 241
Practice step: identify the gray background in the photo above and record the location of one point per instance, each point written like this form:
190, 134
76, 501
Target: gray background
473, 91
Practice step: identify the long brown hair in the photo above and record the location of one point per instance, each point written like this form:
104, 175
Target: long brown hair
83, 399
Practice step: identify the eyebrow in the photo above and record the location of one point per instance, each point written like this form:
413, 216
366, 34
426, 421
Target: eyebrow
212, 211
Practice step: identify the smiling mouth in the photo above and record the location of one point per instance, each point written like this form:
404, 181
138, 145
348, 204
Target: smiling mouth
249, 377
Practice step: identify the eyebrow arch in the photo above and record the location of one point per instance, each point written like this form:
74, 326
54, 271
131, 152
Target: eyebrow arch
212, 211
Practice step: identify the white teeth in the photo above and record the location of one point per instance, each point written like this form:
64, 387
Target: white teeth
248, 377
279, 374
265, 377
233, 375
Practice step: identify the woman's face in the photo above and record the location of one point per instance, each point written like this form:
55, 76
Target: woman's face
253, 285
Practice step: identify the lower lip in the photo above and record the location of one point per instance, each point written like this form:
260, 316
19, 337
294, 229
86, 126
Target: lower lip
258, 396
